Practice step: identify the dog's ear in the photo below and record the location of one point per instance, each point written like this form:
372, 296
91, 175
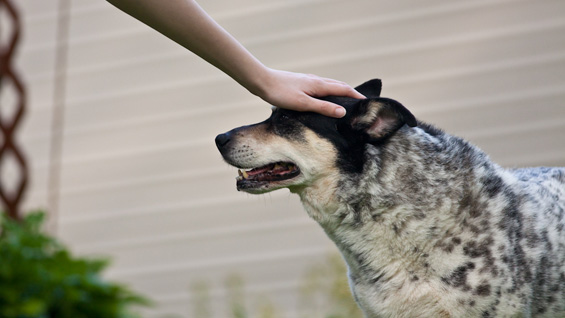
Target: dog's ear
380, 117
371, 89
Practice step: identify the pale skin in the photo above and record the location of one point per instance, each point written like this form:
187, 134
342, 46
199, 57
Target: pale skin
186, 23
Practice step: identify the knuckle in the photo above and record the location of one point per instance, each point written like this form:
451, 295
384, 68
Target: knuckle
304, 102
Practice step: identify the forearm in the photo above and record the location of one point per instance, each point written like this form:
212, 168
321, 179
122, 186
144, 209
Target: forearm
184, 22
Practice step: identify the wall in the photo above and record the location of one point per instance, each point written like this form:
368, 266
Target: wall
121, 123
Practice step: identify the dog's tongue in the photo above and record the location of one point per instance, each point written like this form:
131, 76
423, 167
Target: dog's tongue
263, 169
267, 172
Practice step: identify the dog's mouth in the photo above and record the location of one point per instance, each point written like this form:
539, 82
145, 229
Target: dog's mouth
261, 176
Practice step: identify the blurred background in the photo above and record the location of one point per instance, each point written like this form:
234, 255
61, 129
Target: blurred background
119, 128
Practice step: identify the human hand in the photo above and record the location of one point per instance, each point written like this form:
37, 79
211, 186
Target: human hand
186, 23
296, 91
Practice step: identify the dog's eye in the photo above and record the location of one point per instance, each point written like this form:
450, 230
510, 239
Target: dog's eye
280, 118
283, 125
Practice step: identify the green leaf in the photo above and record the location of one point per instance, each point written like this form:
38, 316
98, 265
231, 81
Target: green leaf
33, 307
40, 278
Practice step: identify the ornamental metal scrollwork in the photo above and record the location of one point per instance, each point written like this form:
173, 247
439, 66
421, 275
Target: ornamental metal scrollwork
11, 195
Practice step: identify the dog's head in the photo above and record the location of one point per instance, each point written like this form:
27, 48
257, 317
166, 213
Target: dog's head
297, 149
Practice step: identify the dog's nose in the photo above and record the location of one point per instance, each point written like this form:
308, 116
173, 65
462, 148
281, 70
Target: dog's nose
222, 140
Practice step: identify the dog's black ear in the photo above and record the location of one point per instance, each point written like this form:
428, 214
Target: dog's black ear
371, 89
380, 117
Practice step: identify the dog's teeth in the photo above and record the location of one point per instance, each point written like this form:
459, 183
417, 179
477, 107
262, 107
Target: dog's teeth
242, 174
277, 166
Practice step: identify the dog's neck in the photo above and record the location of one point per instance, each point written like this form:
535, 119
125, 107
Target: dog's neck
395, 212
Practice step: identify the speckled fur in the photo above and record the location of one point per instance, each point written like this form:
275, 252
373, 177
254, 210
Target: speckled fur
433, 228
429, 226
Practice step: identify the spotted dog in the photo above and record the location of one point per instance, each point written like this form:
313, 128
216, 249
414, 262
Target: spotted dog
428, 225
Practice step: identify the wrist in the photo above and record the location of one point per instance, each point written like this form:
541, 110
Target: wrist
259, 81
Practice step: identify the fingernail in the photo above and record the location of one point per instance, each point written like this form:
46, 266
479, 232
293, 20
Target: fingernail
340, 112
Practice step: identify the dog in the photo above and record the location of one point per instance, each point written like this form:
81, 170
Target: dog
428, 225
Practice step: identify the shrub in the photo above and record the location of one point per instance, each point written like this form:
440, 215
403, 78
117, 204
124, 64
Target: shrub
39, 278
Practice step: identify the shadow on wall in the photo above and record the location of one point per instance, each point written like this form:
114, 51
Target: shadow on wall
324, 293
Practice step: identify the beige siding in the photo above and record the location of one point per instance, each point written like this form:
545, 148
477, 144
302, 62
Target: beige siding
142, 182
36, 63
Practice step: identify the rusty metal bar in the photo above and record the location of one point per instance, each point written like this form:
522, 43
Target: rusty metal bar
11, 198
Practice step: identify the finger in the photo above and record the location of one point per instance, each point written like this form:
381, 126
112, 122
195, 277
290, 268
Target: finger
340, 89
325, 108
351, 92
346, 89
355, 94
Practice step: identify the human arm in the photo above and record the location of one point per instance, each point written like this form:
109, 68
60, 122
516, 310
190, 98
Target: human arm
184, 22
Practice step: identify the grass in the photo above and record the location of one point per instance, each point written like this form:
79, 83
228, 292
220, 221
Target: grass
324, 293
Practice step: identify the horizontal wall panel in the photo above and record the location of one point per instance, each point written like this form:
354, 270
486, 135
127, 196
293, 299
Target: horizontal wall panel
38, 61
537, 147
190, 251
139, 73
120, 46
404, 30
181, 189
36, 124
209, 95
469, 85
35, 195
512, 110
221, 215
38, 147
421, 57
40, 31
40, 91
201, 128
96, 21
105, 170
34, 8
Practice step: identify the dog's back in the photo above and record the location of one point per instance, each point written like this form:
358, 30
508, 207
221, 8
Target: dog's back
535, 224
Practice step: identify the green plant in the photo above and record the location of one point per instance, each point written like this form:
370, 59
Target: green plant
39, 278
236, 296
201, 300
